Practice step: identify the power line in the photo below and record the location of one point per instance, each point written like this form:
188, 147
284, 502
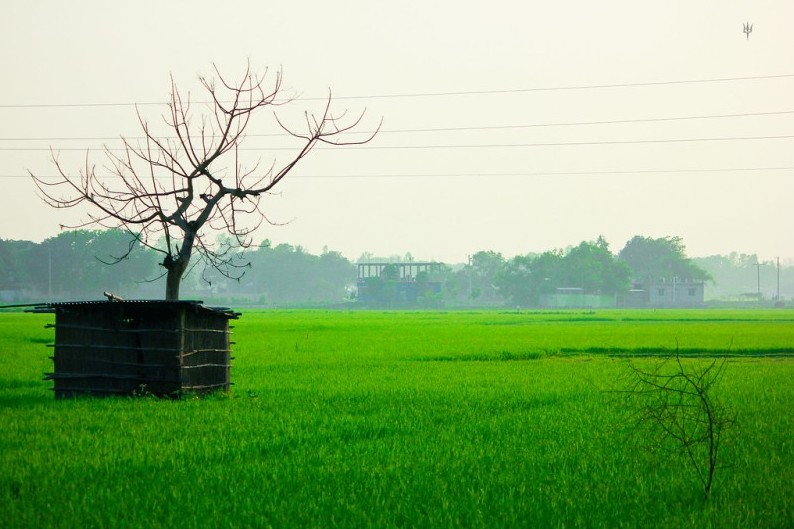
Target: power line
504, 174
431, 94
563, 144
603, 122
341, 148
452, 129
575, 87
555, 173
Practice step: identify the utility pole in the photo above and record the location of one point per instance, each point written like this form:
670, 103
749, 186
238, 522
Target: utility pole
471, 299
777, 295
758, 271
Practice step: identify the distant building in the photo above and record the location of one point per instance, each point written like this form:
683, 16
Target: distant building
666, 293
394, 285
676, 293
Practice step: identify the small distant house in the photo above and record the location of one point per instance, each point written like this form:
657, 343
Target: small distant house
676, 293
123, 347
666, 293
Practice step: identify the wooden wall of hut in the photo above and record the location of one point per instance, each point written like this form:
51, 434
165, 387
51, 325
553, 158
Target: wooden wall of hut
128, 347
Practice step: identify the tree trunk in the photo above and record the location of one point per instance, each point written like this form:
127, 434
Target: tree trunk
176, 267
172, 282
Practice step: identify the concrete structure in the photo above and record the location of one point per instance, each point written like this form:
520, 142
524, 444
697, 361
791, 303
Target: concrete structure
394, 285
676, 293
664, 293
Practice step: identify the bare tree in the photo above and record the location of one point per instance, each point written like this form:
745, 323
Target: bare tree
170, 191
673, 409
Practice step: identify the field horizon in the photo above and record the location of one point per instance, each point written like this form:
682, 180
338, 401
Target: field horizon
405, 419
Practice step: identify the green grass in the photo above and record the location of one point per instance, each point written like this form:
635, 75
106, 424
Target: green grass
398, 419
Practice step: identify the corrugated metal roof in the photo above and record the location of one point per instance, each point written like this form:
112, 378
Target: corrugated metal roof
137, 303
124, 302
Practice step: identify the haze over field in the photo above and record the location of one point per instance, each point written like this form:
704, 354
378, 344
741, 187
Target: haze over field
511, 126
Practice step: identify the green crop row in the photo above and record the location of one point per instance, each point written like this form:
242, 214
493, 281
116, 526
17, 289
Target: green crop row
397, 419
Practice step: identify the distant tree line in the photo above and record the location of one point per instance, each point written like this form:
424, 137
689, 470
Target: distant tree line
740, 277
73, 265
590, 267
282, 275
82, 264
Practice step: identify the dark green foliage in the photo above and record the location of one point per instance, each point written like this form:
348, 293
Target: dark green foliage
78, 264
480, 273
14, 263
82, 264
663, 258
287, 274
590, 266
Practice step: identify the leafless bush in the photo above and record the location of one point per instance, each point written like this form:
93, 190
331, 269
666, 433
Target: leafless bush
673, 410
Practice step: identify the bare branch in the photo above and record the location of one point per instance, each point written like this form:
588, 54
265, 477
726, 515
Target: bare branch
167, 188
671, 408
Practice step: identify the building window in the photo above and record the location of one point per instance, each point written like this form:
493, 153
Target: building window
661, 292
692, 292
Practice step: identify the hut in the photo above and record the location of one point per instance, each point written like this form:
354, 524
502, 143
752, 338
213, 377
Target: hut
120, 347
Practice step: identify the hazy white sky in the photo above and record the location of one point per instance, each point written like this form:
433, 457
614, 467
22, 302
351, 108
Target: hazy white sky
498, 70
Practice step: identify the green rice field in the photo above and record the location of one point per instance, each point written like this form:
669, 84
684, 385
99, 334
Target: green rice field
405, 419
